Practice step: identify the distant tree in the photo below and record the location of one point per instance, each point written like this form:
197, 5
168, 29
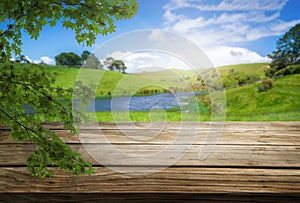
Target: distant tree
289, 70
22, 59
84, 56
109, 63
287, 51
68, 59
43, 63
92, 62
115, 65
119, 65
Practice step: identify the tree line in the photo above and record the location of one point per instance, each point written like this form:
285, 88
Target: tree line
89, 60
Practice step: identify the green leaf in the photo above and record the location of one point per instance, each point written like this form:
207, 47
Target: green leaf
27, 92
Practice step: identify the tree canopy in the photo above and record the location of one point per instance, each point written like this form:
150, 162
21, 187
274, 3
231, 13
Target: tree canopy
68, 59
109, 63
28, 94
287, 51
22, 59
119, 65
92, 62
115, 65
84, 56
86, 18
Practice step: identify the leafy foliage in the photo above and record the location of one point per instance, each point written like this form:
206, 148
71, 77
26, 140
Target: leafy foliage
119, 65
92, 62
27, 101
85, 55
287, 51
248, 79
109, 63
86, 18
234, 79
86, 60
267, 85
28, 96
22, 59
229, 82
68, 59
289, 70
115, 65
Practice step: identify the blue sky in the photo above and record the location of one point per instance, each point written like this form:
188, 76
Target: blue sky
228, 31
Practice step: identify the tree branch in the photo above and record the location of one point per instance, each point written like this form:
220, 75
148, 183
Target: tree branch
11, 26
18, 122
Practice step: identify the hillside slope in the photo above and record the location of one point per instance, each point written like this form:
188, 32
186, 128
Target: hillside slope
244, 103
280, 103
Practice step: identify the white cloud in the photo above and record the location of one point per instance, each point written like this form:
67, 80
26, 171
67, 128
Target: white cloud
219, 25
47, 60
149, 61
118, 54
153, 61
283, 26
229, 5
156, 35
224, 55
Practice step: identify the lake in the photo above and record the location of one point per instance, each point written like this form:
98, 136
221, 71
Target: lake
142, 103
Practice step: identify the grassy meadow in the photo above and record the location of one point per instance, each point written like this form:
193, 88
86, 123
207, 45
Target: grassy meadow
244, 103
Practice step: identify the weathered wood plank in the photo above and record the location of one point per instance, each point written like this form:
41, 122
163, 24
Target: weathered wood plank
250, 157
277, 125
139, 197
243, 137
184, 180
222, 155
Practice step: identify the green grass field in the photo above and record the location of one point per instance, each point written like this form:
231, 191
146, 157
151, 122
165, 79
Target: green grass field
282, 103
257, 68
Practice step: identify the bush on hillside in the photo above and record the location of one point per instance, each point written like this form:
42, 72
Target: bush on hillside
266, 85
228, 82
248, 79
251, 78
289, 70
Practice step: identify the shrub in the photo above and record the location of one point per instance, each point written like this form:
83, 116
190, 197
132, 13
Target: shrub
266, 85
229, 82
289, 70
297, 69
242, 80
205, 100
252, 78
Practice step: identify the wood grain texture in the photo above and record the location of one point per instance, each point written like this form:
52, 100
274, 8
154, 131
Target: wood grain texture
280, 126
261, 158
242, 137
149, 197
179, 179
222, 155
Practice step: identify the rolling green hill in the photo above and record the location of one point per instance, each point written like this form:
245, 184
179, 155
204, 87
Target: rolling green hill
280, 103
253, 68
244, 103
165, 78
123, 84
